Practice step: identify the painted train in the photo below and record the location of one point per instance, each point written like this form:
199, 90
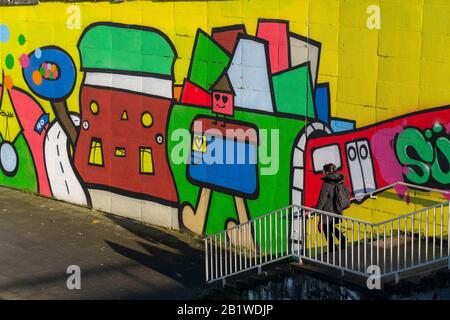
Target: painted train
414, 148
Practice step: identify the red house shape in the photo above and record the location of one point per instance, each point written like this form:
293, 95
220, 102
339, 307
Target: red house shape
122, 146
223, 96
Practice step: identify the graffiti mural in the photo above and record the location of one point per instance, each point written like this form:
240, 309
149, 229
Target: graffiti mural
264, 96
205, 126
121, 152
411, 148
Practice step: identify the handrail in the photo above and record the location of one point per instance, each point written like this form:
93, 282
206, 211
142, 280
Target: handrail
250, 221
333, 215
330, 214
399, 183
293, 231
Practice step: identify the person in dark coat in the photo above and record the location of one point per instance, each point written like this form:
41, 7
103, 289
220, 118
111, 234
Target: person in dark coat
326, 203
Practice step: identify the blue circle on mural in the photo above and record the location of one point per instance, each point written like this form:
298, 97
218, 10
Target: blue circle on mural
37, 53
8, 158
4, 33
54, 73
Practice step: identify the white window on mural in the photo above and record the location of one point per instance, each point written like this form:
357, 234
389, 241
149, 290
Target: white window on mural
324, 155
360, 165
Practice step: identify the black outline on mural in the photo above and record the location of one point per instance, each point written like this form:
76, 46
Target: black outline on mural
319, 46
234, 27
196, 86
233, 92
358, 157
125, 91
99, 140
327, 86
118, 191
14, 172
90, 104
268, 66
223, 190
344, 120
74, 80
319, 133
142, 115
324, 146
140, 161
197, 36
288, 28
300, 66
26, 141
432, 183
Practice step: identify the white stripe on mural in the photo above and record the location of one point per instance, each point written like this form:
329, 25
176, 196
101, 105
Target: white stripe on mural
146, 85
63, 181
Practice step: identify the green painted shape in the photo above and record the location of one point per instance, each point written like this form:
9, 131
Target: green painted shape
208, 62
275, 189
22, 40
25, 178
294, 93
129, 49
9, 61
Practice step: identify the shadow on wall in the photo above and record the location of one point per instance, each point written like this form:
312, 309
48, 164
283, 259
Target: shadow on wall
163, 252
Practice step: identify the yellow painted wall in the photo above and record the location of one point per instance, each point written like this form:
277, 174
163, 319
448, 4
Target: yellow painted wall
373, 74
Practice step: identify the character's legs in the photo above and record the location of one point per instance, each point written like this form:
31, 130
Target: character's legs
195, 221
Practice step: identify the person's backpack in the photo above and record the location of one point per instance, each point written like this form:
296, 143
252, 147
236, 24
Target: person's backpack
341, 197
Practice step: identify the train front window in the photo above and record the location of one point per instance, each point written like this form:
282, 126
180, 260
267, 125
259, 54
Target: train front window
324, 155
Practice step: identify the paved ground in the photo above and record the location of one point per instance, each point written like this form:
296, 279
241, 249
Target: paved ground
119, 258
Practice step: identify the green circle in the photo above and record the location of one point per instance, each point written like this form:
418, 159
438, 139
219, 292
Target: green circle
22, 39
428, 133
438, 128
9, 61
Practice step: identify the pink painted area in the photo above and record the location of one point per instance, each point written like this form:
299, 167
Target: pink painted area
28, 112
223, 103
391, 171
277, 34
381, 136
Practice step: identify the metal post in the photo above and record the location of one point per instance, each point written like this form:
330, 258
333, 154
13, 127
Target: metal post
243, 231
276, 235
426, 236
206, 260
220, 251
260, 241
434, 233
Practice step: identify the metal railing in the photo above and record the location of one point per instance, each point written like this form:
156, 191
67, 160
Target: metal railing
404, 243
251, 245
394, 246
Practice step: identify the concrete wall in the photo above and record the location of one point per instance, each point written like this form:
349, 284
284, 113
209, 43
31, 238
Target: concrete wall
105, 105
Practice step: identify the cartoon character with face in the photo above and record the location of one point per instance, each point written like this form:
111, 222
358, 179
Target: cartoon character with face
223, 97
